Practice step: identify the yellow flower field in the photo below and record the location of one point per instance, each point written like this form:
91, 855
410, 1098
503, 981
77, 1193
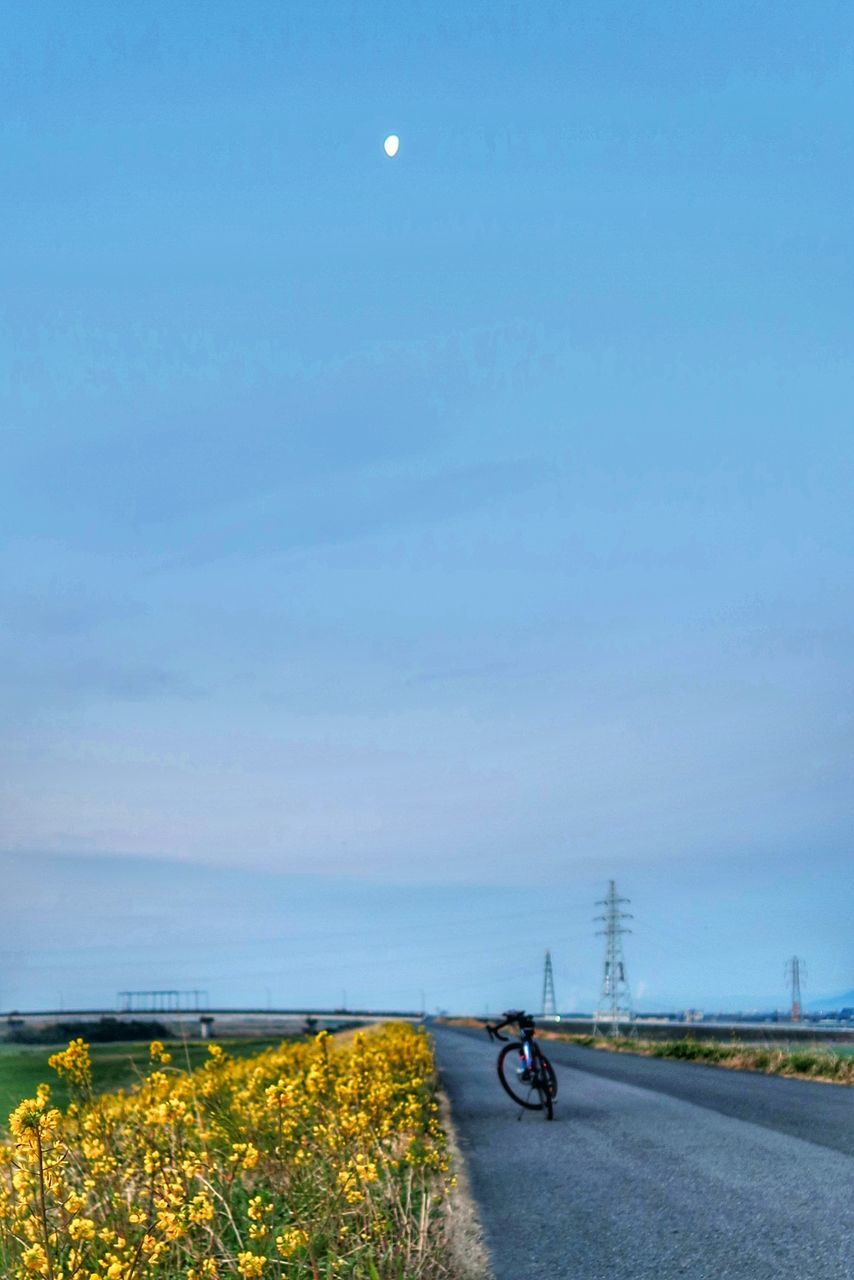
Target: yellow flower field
309, 1160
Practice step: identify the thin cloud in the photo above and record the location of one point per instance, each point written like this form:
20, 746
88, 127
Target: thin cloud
48, 680
349, 509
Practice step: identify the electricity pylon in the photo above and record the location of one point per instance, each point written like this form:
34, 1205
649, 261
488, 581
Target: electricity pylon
615, 1002
795, 971
549, 1003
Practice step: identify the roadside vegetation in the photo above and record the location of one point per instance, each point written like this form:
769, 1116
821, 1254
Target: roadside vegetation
309, 1161
804, 1063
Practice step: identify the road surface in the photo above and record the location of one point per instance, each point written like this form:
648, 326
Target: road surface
654, 1168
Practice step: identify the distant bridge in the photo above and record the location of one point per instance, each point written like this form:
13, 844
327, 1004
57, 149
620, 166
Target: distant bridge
228, 1020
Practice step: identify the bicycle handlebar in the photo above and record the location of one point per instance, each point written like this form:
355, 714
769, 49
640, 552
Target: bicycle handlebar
511, 1016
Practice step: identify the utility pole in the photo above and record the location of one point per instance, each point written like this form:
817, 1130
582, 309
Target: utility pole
615, 1002
796, 970
549, 1003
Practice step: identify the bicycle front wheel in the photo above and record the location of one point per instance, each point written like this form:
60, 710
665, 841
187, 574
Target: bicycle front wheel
516, 1079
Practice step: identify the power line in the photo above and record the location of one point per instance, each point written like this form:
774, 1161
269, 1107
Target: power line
184, 943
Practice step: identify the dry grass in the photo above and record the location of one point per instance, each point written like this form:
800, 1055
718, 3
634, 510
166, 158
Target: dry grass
802, 1064
467, 1252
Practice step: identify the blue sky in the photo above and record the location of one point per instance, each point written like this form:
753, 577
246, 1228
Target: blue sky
399, 537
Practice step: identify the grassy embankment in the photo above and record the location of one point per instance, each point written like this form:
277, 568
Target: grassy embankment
309, 1161
828, 1065
818, 1063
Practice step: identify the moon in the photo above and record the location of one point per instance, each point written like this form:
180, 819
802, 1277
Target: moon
391, 144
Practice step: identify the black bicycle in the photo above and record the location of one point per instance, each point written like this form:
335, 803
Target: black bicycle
523, 1069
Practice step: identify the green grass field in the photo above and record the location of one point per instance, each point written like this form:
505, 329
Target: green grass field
114, 1066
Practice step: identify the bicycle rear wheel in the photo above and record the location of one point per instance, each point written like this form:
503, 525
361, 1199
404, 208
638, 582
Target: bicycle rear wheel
550, 1072
546, 1084
516, 1079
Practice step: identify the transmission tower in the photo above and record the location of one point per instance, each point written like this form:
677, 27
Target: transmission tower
615, 1002
796, 972
549, 1004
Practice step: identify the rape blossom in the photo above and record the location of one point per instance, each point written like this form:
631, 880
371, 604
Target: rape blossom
312, 1161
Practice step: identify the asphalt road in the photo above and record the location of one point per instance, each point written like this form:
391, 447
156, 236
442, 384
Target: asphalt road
655, 1169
